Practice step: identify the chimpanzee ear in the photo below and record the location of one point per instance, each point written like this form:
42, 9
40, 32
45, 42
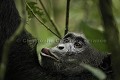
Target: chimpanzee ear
106, 65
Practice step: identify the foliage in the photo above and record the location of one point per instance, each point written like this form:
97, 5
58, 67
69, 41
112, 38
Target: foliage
95, 37
37, 10
95, 71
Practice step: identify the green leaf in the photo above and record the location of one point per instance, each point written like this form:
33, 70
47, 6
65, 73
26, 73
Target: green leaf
95, 71
38, 11
95, 37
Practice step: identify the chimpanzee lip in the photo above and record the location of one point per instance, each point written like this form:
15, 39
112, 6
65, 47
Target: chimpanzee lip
46, 53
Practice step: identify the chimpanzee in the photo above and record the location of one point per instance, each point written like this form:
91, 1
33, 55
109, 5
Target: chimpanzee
58, 63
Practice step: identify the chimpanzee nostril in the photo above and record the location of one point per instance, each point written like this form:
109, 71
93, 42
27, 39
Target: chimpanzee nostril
60, 47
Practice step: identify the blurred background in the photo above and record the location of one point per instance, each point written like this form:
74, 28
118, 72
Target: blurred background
85, 17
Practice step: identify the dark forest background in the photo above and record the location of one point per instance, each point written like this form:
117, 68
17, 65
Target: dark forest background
99, 20
85, 16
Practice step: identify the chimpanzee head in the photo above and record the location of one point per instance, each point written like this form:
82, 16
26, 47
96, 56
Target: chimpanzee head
68, 55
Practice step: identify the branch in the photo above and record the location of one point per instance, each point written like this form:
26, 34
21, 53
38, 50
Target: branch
8, 43
41, 21
111, 34
67, 16
54, 25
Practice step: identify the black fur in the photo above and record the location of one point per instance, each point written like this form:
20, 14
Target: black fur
23, 63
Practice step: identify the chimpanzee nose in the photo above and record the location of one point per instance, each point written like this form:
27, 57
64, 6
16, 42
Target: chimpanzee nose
60, 47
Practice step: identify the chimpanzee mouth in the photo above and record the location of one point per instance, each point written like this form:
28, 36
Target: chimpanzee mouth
46, 53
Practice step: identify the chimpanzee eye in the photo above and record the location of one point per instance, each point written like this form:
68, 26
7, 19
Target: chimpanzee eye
78, 45
66, 40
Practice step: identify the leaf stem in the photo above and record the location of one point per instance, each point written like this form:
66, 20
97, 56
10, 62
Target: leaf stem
41, 21
67, 16
54, 25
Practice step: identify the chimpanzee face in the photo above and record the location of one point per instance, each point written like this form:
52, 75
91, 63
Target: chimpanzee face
67, 56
